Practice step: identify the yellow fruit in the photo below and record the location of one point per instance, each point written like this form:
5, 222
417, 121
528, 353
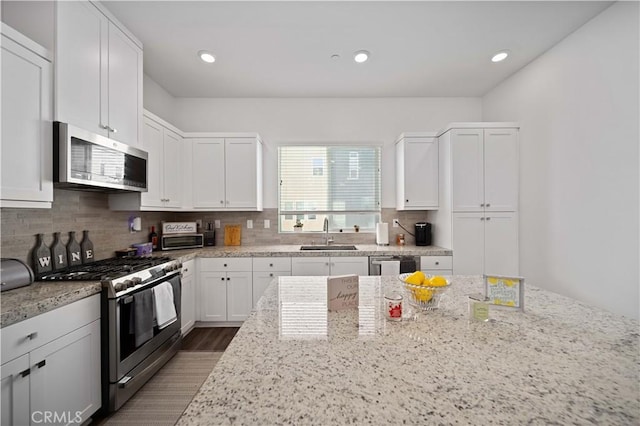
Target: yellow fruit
422, 294
437, 281
416, 278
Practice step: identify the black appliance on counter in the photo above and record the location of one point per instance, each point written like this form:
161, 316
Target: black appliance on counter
128, 362
423, 234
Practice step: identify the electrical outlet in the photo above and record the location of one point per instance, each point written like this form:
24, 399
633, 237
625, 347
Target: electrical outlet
249, 224
395, 223
217, 222
267, 224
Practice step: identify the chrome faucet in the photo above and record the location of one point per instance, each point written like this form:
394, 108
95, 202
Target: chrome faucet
327, 240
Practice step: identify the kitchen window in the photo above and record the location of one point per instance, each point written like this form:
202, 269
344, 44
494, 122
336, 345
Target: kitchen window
341, 183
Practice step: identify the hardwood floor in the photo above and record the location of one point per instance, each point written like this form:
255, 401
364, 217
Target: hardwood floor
210, 339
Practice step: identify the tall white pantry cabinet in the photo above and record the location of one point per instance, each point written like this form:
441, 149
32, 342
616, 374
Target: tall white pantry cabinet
478, 215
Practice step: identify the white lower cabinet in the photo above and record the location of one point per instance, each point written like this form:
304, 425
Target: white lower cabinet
188, 297
265, 269
15, 391
335, 265
436, 265
65, 376
225, 289
485, 243
53, 372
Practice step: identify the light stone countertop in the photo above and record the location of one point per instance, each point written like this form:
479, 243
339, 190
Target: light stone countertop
25, 302
560, 362
291, 250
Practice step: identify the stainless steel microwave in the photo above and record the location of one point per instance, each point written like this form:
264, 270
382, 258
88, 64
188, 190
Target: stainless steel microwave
87, 161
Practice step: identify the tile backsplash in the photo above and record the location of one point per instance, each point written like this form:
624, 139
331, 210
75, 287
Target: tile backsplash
109, 230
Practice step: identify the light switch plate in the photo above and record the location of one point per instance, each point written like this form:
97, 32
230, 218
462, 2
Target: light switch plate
217, 223
267, 224
249, 223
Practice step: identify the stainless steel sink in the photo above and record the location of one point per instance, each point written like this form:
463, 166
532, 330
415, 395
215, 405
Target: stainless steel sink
328, 248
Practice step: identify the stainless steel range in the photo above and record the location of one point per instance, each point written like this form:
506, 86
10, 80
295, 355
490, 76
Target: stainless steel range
140, 325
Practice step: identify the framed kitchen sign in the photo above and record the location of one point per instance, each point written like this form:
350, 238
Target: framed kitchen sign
504, 291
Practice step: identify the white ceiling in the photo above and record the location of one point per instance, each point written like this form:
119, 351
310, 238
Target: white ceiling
283, 49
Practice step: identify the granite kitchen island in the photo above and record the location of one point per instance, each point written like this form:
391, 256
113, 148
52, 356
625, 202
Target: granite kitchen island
292, 362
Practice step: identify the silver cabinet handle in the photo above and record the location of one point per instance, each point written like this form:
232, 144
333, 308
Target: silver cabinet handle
32, 336
488, 205
482, 218
488, 218
221, 202
271, 265
437, 263
110, 129
271, 274
482, 205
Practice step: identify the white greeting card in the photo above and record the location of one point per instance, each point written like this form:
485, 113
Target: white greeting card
342, 292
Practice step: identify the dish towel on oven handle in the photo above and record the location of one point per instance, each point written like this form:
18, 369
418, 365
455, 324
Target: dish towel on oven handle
163, 305
141, 320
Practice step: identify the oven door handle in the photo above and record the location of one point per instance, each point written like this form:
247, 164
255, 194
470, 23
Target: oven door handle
159, 279
125, 382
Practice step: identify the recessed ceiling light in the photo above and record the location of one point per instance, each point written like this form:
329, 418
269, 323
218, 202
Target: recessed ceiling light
206, 56
500, 56
361, 56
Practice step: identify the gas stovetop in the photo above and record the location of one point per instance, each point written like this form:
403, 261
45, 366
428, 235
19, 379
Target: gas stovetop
119, 275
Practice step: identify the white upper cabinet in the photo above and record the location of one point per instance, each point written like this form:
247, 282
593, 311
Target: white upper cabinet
243, 174
227, 173
125, 87
501, 170
26, 147
208, 173
165, 181
164, 168
484, 169
98, 73
416, 172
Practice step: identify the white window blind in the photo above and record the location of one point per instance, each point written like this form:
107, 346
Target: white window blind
340, 183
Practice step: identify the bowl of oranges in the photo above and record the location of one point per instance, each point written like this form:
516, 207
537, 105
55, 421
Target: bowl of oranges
424, 291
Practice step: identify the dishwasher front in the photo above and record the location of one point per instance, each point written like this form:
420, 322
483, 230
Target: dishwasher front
405, 263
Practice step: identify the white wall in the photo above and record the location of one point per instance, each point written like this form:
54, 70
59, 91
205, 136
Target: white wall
158, 100
578, 105
323, 120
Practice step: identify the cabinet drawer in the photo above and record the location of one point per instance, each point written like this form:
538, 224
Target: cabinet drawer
21, 338
436, 262
272, 264
224, 264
